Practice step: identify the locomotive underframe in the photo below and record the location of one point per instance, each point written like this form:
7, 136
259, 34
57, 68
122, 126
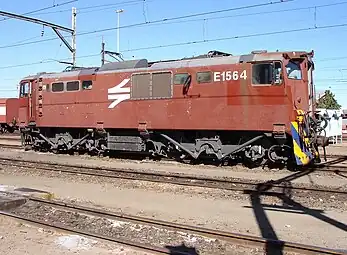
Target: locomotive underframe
252, 147
4, 128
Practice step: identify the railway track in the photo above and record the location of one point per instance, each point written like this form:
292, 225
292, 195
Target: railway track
16, 138
326, 166
10, 141
19, 146
229, 237
168, 178
11, 146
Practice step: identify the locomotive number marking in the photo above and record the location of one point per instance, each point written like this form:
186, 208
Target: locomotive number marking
229, 75
118, 93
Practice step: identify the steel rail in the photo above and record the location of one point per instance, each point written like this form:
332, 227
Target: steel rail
153, 249
10, 137
15, 137
158, 177
321, 167
11, 146
234, 238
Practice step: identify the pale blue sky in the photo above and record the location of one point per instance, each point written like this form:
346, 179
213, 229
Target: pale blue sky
329, 43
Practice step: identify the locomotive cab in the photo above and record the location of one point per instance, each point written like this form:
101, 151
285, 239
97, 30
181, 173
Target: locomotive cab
290, 76
306, 128
299, 76
26, 107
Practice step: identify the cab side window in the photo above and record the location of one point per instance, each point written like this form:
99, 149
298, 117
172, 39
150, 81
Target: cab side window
24, 89
180, 78
72, 86
262, 74
203, 77
87, 85
57, 87
267, 73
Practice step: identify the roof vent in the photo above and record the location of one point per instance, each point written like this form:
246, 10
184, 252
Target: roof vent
259, 51
216, 53
128, 64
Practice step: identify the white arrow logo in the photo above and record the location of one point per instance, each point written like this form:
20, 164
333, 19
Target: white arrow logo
116, 93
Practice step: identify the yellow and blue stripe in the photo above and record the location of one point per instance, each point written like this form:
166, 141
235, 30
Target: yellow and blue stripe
303, 156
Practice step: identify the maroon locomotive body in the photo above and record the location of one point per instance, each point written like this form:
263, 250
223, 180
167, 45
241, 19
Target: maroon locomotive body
216, 105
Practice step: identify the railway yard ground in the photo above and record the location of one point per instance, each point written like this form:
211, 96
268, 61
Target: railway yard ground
201, 206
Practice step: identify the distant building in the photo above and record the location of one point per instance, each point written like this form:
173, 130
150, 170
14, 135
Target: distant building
319, 96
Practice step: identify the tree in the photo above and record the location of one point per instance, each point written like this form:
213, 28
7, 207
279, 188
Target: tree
328, 101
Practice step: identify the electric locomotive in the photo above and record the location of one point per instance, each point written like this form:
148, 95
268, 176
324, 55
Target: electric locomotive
257, 108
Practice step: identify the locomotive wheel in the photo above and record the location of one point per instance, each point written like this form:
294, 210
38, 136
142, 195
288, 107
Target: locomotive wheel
27, 147
255, 164
55, 151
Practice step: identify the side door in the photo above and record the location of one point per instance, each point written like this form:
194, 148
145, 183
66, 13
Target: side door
25, 113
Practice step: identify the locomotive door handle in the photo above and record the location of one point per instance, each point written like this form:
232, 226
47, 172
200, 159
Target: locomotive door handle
186, 84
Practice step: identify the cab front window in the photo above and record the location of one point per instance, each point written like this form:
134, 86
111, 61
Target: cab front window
294, 70
24, 89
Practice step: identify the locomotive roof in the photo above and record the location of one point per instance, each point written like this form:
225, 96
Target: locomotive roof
143, 64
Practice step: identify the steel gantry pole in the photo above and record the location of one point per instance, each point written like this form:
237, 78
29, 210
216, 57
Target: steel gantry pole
73, 41
118, 26
55, 28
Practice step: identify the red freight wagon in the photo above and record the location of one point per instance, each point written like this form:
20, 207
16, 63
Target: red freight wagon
8, 114
253, 107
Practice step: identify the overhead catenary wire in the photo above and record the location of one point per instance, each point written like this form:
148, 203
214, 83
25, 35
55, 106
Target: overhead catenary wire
164, 22
238, 37
192, 20
258, 13
45, 8
109, 6
104, 6
99, 8
152, 22
333, 59
191, 42
47, 61
333, 68
206, 41
27, 39
201, 41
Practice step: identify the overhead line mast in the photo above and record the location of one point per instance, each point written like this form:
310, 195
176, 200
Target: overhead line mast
56, 28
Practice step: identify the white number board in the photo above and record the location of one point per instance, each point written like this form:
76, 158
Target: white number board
229, 75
